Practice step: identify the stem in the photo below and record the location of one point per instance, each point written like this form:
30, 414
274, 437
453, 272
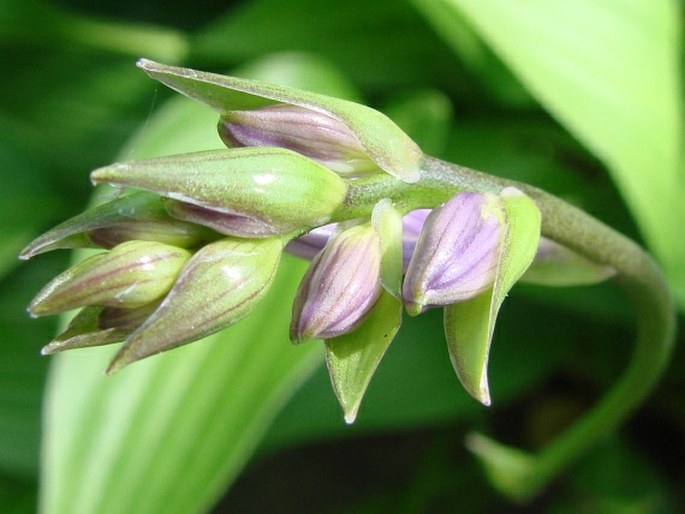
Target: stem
637, 274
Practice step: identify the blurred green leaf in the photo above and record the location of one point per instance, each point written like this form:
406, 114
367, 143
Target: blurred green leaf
608, 71
22, 370
41, 23
615, 480
377, 44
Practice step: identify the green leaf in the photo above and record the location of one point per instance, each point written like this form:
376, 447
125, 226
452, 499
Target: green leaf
384, 142
609, 71
469, 325
353, 358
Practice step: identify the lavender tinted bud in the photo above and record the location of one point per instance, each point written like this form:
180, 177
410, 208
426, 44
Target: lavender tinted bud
133, 274
311, 133
340, 287
456, 254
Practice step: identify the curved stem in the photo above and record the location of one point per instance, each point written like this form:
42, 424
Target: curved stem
637, 274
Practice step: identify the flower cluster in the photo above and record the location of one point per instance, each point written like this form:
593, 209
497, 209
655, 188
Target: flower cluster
193, 243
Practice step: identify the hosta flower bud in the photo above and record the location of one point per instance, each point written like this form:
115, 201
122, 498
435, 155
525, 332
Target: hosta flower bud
133, 274
220, 284
271, 190
139, 216
355, 126
456, 254
97, 326
311, 133
340, 287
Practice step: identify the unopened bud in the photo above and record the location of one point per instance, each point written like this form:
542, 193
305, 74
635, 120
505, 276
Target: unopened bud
140, 216
221, 284
276, 189
456, 254
340, 287
311, 133
131, 275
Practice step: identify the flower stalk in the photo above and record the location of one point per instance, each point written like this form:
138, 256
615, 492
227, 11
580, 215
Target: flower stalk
464, 256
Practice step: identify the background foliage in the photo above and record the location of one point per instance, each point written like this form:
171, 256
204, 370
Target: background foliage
581, 98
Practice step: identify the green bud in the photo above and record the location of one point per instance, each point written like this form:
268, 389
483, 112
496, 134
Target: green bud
133, 274
249, 192
220, 285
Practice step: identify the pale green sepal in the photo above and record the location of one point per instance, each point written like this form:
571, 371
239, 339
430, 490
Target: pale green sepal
386, 144
508, 469
469, 325
353, 358
556, 265
387, 221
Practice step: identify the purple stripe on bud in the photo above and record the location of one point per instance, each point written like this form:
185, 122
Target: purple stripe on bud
456, 254
340, 287
305, 131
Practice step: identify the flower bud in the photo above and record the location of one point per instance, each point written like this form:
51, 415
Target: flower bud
97, 326
340, 286
220, 284
308, 132
133, 274
456, 254
381, 140
139, 216
274, 189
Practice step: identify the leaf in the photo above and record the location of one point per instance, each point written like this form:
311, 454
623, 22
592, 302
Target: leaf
469, 325
609, 71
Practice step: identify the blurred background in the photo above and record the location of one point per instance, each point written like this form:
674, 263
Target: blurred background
582, 99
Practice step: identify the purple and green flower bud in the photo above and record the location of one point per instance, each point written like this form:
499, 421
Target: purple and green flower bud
132, 274
340, 287
247, 192
308, 132
220, 285
456, 254
139, 216
355, 126
97, 326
